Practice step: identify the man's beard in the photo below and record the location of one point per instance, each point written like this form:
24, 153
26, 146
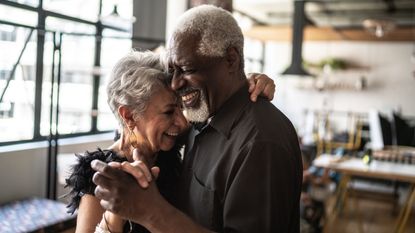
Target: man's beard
199, 114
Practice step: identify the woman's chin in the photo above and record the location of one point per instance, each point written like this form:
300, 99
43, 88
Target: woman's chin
167, 145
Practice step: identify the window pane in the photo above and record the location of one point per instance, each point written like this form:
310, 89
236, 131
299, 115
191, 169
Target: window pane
27, 2
17, 106
112, 51
62, 25
76, 84
87, 10
75, 97
46, 87
16, 15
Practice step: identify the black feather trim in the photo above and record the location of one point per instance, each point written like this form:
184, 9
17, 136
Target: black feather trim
80, 179
81, 183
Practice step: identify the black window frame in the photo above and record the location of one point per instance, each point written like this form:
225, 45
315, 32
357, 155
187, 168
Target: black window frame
39, 76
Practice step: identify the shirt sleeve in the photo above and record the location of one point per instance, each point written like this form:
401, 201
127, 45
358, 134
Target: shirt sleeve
264, 194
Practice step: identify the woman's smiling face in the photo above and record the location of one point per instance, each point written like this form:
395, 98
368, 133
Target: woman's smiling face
161, 122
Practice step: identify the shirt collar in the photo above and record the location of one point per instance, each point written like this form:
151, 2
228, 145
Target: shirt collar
226, 116
199, 126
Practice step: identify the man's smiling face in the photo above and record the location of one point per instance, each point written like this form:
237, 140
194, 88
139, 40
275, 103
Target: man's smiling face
196, 78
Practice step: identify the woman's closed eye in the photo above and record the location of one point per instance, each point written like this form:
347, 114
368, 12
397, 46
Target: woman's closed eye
169, 112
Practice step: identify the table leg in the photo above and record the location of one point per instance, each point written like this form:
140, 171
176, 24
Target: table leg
339, 200
356, 210
406, 210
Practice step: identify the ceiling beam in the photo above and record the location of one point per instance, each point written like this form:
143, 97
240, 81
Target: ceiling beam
284, 33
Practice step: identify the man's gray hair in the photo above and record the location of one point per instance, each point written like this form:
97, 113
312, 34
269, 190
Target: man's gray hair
134, 79
217, 28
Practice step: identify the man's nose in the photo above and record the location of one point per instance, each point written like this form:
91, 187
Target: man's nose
177, 81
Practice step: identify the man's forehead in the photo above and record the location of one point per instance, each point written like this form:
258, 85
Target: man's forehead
184, 39
185, 36
182, 49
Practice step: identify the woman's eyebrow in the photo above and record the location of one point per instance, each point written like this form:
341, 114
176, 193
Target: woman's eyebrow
170, 105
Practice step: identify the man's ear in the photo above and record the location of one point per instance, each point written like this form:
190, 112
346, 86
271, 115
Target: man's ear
233, 59
126, 115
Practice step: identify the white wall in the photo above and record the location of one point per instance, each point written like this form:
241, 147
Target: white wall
23, 172
23, 167
390, 76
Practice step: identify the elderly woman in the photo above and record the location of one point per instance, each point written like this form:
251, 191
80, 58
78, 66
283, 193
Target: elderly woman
149, 114
150, 117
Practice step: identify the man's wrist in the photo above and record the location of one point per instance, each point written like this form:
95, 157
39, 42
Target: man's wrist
157, 219
167, 218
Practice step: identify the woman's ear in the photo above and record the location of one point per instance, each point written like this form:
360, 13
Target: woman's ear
127, 116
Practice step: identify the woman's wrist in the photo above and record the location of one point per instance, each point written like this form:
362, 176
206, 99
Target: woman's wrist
110, 223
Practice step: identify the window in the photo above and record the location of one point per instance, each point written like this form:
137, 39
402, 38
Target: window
75, 91
13, 14
112, 50
7, 33
27, 2
6, 110
4, 74
87, 10
76, 85
30, 96
63, 25
17, 105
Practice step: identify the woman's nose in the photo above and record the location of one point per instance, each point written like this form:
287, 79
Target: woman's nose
181, 120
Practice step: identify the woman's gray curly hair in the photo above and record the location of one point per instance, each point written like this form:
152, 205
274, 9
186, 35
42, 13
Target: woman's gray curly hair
134, 79
217, 28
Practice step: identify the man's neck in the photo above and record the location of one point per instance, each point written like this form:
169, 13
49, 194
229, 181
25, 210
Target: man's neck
230, 90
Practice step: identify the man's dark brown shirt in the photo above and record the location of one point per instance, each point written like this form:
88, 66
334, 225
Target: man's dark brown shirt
243, 171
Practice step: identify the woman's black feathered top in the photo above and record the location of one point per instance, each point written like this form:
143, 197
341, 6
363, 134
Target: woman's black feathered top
81, 183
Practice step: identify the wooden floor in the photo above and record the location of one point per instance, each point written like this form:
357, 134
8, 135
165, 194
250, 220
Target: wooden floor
368, 215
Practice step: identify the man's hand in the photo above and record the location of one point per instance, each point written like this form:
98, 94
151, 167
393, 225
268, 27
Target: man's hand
120, 193
261, 84
140, 169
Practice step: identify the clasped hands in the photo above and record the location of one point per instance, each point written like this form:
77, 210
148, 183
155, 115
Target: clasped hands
119, 193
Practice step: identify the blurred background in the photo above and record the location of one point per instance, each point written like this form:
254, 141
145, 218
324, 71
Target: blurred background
345, 77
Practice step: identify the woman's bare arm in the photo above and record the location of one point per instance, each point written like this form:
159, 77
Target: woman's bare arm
89, 214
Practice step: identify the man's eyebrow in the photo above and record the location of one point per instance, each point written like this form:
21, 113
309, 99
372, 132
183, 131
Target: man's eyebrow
180, 61
184, 63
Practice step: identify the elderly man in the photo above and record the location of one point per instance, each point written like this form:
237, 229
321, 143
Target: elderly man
242, 168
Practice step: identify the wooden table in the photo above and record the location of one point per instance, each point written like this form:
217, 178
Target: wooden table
350, 167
